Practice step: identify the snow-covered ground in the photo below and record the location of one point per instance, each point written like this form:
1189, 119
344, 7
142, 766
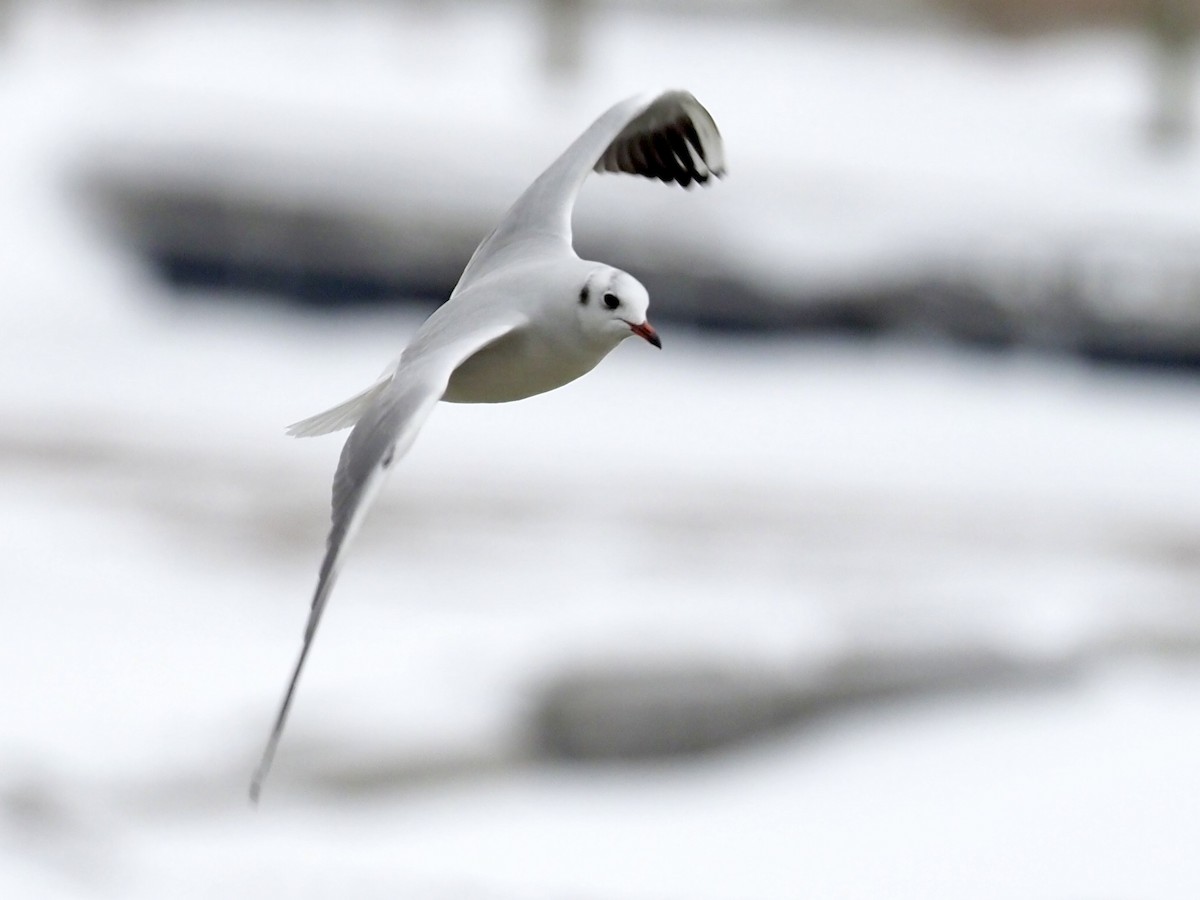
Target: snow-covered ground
767, 504
1021, 174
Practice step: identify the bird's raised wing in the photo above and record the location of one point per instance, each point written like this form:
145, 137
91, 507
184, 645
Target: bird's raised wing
382, 435
668, 136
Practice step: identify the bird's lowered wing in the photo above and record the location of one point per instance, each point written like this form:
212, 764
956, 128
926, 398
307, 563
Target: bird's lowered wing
382, 435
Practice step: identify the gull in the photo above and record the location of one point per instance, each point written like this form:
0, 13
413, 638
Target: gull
527, 316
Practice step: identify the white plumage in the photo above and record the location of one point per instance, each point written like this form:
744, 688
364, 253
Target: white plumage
527, 316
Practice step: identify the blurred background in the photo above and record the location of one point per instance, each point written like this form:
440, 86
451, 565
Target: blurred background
881, 580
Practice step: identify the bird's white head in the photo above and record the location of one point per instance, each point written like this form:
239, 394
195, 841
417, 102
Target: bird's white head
612, 306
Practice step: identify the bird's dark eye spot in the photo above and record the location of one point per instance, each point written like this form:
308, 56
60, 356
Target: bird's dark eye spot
612, 301
583, 295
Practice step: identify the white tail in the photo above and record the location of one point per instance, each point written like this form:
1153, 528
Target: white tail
344, 414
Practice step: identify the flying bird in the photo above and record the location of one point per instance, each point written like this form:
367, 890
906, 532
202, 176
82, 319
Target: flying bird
527, 316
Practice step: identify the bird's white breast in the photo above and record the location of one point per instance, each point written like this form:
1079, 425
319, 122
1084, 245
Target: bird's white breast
549, 350
521, 364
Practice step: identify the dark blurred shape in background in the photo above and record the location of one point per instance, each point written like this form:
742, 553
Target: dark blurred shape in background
1064, 225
